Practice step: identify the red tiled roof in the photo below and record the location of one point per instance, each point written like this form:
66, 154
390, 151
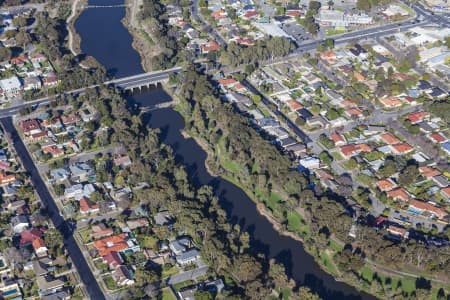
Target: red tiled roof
417, 116
398, 194
438, 137
110, 244
38, 243
86, 205
27, 237
396, 230
429, 172
446, 191
423, 206
113, 259
228, 81
354, 112
337, 138
402, 148
251, 14
294, 105
29, 125
386, 184
211, 46
389, 138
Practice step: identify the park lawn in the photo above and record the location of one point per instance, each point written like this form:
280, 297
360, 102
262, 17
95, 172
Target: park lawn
367, 273
273, 200
408, 285
255, 167
296, 224
286, 294
167, 295
327, 262
335, 246
225, 161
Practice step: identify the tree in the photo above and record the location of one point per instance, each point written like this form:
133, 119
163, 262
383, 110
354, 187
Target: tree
408, 175
300, 121
363, 5
325, 157
23, 38
314, 6
5, 54
203, 295
388, 169
404, 66
329, 43
20, 21
59, 189
54, 241
277, 273
304, 293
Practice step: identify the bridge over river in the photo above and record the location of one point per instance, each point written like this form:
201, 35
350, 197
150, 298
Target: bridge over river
128, 83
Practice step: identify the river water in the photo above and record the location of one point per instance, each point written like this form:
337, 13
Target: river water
104, 37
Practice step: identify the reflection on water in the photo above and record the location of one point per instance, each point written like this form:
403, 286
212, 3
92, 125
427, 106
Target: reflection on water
104, 37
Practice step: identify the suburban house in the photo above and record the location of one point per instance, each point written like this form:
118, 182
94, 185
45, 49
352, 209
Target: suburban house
123, 276
188, 257
350, 150
19, 223
398, 231
386, 185
421, 207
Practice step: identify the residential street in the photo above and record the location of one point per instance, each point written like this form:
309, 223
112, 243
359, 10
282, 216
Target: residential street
75, 253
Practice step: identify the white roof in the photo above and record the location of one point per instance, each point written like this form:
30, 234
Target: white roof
10, 83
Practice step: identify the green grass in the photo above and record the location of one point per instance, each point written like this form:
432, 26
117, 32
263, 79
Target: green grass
286, 294
226, 163
177, 287
408, 285
335, 246
367, 273
85, 235
331, 32
365, 179
337, 156
327, 263
166, 272
296, 224
167, 295
110, 283
273, 200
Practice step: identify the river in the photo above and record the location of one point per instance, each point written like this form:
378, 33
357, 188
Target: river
104, 37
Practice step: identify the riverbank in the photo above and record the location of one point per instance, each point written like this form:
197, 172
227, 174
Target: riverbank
213, 161
74, 39
140, 35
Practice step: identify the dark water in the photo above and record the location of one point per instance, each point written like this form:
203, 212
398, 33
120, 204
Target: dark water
105, 38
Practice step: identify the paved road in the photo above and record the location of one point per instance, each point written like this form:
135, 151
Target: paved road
124, 83
205, 26
75, 254
188, 275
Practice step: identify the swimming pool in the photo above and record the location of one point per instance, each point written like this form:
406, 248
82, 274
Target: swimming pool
415, 211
